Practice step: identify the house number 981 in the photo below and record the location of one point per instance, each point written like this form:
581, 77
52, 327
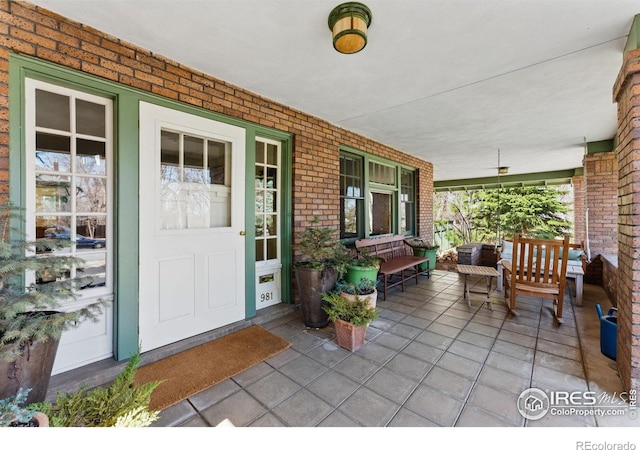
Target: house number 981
266, 296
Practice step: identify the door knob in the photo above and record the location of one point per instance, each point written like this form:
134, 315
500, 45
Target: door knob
242, 233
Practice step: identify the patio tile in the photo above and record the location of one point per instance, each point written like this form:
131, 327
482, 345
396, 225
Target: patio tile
469, 351
303, 409
559, 349
356, 368
497, 402
472, 416
338, 419
503, 380
559, 338
448, 383
434, 406
253, 374
303, 370
332, 387
273, 389
485, 330
566, 365
407, 418
462, 366
423, 352
303, 342
405, 331
368, 408
445, 330
240, 408
475, 339
510, 364
328, 354
408, 366
514, 350
520, 328
283, 358
517, 338
392, 341
434, 339
214, 394
376, 353
391, 385
268, 420
176, 415
562, 381
452, 321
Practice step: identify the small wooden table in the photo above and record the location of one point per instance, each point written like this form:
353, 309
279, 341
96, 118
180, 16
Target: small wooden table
488, 272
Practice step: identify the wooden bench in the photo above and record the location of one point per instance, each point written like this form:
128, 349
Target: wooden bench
396, 258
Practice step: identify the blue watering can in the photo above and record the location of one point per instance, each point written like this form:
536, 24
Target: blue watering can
608, 332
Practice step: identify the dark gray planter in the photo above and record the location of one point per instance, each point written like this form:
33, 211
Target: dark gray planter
311, 284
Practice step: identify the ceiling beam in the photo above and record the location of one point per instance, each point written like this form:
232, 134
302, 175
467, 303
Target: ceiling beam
554, 178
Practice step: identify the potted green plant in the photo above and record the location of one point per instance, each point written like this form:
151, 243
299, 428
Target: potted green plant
364, 289
30, 320
350, 319
422, 248
323, 261
362, 266
15, 413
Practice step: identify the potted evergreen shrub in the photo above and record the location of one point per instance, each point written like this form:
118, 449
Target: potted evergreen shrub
422, 248
323, 261
31, 322
365, 289
123, 403
350, 319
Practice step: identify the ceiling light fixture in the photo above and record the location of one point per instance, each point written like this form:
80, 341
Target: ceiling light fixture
503, 170
348, 23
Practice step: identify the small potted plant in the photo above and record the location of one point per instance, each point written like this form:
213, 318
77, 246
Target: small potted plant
323, 260
15, 413
421, 247
350, 319
364, 289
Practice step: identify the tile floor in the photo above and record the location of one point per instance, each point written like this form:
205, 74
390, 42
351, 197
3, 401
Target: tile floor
429, 361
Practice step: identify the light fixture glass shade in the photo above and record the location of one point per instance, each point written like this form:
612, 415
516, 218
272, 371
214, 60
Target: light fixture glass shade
348, 23
503, 170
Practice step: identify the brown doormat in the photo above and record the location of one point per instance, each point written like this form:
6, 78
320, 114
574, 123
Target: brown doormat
196, 369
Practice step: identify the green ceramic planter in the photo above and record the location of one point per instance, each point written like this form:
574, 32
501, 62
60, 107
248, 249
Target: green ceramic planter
356, 273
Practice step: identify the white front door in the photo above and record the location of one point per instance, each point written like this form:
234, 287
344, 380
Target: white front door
192, 244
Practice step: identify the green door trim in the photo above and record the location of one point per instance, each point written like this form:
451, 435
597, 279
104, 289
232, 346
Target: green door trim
126, 181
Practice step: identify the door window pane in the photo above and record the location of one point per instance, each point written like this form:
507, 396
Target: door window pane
195, 182
53, 193
267, 193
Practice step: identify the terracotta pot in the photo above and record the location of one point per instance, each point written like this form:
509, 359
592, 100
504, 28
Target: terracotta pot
349, 336
372, 298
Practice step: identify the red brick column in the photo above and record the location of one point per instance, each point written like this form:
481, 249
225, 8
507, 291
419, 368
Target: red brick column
625, 93
601, 191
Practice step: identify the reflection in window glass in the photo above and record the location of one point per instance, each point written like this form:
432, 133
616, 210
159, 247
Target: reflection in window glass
71, 185
351, 196
53, 153
53, 193
407, 202
381, 213
90, 157
267, 193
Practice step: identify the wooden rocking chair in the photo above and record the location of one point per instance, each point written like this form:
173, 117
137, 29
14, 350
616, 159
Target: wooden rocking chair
536, 269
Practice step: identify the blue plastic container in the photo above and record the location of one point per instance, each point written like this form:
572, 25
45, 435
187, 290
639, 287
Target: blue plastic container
608, 332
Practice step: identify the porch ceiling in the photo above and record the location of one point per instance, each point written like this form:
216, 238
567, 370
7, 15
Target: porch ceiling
449, 81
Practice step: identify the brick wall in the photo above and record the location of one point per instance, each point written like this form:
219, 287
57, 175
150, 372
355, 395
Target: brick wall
601, 186
33, 31
626, 95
